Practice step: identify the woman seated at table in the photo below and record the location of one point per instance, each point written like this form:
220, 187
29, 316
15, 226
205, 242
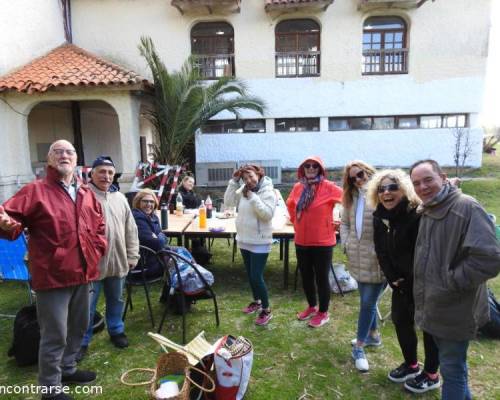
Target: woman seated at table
144, 205
256, 202
190, 199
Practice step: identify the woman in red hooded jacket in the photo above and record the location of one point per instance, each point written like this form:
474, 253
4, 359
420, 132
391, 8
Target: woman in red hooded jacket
310, 205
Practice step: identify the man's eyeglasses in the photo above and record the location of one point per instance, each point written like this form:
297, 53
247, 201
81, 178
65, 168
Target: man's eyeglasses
359, 175
147, 201
308, 165
60, 152
391, 187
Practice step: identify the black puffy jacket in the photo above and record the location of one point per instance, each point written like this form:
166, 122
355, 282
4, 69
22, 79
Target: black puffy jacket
395, 235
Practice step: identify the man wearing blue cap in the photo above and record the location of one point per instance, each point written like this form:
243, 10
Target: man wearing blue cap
122, 253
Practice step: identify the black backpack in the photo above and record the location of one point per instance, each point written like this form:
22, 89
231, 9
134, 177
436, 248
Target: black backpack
492, 328
26, 337
26, 341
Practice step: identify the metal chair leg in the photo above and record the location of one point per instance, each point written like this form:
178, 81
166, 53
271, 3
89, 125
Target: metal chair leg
146, 289
234, 248
128, 301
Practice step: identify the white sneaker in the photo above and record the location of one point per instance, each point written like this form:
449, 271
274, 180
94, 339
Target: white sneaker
358, 355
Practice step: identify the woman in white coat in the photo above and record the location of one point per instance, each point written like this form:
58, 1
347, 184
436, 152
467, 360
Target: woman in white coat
256, 202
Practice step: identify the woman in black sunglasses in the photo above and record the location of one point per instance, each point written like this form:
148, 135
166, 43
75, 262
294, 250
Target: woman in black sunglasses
356, 231
310, 205
395, 224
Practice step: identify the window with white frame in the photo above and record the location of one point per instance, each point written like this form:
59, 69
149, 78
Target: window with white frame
296, 124
384, 46
398, 122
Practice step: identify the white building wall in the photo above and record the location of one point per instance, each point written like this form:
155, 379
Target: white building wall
399, 147
28, 29
448, 44
446, 38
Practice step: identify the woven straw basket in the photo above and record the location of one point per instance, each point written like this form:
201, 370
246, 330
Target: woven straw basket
178, 364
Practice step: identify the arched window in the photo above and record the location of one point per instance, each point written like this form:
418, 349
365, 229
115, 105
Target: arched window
384, 46
297, 48
212, 44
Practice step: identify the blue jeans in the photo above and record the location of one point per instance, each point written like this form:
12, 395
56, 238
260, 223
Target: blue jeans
255, 264
367, 319
453, 364
113, 290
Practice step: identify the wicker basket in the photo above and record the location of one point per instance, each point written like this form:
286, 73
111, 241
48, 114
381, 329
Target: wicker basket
178, 364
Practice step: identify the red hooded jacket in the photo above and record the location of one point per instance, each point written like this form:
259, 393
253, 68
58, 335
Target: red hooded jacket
315, 227
66, 239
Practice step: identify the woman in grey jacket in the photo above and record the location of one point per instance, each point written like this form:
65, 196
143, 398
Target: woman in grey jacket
256, 202
356, 233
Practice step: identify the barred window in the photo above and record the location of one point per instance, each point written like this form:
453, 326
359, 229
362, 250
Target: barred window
212, 45
297, 48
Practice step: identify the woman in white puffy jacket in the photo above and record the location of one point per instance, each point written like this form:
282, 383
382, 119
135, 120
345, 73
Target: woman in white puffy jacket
256, 202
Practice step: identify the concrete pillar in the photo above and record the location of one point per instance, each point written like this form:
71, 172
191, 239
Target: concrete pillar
15, 168
323, 124
127, 108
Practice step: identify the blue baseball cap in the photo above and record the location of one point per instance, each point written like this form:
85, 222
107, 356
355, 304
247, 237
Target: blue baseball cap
103, 160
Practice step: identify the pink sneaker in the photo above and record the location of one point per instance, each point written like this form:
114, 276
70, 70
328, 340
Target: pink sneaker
307, 313
252, 307
263, 318
319, 319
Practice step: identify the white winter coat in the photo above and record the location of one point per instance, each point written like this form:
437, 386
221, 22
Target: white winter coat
253, 223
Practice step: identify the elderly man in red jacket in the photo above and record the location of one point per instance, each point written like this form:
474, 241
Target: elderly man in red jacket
67, 239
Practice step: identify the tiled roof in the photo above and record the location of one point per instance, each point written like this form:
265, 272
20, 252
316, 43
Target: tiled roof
273, 4
68, 65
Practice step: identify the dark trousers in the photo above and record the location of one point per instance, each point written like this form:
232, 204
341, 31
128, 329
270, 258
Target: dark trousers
403, 316
314, 265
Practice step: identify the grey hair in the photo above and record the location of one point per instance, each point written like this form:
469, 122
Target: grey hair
51, 148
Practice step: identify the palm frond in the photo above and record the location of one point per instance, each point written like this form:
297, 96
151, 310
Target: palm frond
183, 103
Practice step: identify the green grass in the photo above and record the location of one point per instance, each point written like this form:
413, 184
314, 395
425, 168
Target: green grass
490, 167
290, 358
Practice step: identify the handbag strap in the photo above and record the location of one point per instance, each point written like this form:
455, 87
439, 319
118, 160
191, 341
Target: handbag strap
209, 378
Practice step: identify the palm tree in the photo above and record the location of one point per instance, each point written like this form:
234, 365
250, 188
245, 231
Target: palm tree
183, 103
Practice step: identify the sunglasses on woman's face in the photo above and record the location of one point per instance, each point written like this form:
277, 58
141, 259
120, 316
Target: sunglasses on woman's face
313, 166
359, 175
147, 201
391, 187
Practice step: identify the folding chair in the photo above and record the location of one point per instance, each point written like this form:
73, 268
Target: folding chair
139, 277
12, 262
205, 294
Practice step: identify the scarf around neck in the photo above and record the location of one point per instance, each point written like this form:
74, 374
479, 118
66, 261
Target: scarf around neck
308, 192
440, 196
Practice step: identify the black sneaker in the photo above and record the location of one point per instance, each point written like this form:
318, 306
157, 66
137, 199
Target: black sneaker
80, 377
119, 340
402, 373
422, 383
81, 354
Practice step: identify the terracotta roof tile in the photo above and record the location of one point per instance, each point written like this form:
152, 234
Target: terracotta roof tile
68, 65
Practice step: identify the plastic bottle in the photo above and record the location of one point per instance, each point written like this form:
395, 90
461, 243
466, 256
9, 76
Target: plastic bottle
164, 216
202, 216
178, 204
208, 204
